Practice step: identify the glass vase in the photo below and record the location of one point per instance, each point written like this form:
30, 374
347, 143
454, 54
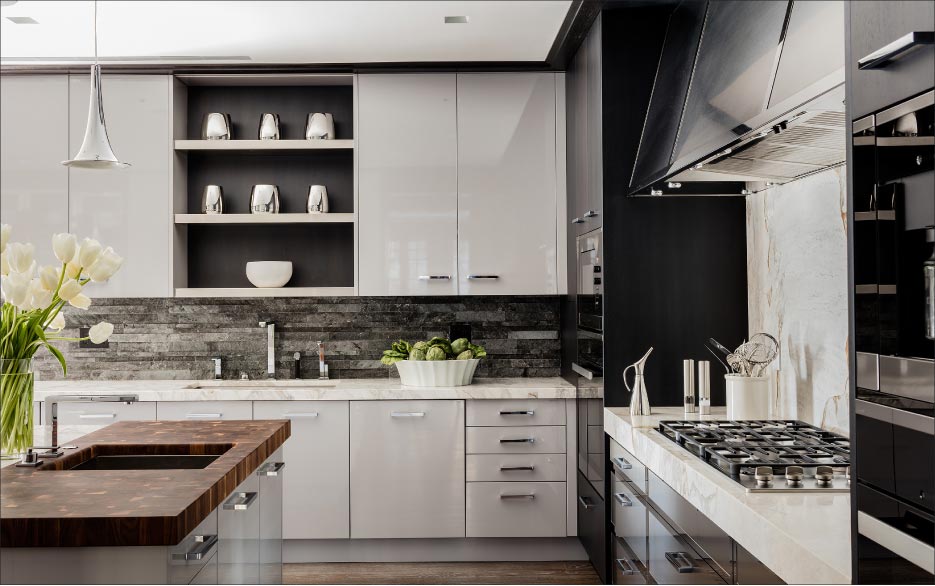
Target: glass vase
16, 414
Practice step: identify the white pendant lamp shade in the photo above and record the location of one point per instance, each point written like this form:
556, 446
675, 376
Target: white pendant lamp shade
95, 151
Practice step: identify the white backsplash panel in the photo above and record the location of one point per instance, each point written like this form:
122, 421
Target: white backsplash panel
797, 283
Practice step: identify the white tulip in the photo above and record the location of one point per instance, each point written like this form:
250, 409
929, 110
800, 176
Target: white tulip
71, 270
107, 264
88, 252
101, 332
57, 323
81, 301
5, 230
4, 264
40, 297
69, 290
15, 290
49, 278
20, 256
64, 245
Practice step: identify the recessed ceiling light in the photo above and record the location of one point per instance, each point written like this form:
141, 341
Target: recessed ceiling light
456, 20
22, 20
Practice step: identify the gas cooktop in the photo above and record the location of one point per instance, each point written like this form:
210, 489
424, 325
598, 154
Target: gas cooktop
768, 456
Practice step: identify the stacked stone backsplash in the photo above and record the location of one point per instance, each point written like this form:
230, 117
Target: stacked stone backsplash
177, 338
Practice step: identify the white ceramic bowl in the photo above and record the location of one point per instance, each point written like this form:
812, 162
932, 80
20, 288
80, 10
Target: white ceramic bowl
269, 273
436, 373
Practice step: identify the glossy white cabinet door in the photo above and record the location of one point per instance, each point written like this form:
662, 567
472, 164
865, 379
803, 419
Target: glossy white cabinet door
407, 469
316, 491
33, 144
506, 184
128, 209
407, 184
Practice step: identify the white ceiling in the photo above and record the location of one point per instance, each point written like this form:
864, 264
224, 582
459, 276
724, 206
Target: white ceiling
281, 32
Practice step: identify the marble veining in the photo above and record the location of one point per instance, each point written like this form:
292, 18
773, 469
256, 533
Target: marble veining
797, 283
803, 538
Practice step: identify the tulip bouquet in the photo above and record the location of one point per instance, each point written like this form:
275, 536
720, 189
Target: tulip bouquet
33, 298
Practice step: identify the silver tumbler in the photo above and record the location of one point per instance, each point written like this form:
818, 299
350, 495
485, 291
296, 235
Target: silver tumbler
216, 126
269, 127
264, 199
212, 200
320, 126
317, 202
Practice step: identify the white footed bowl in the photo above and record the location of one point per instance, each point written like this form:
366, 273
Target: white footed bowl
436, 373
269, 273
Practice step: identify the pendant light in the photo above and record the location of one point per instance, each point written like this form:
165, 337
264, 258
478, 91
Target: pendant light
95, 151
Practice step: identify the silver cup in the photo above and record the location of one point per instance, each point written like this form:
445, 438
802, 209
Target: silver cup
212, 200
216, 126
317, 202
269, 127
320, 126
264, 199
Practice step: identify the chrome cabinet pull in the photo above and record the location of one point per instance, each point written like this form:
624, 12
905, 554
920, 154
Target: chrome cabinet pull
434, 277
241, 501
272, 469
530, 412
623, 499
517, 468
882, 57
301, 415
577, 221
586, 503
582, 371
473, 277
524, 440
621, 463
97, 416
680, 560
518, 496
591, 214
407, 414
203, 545
203, 415
626, 567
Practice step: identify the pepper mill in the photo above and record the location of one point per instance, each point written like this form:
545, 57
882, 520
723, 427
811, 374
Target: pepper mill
688, 373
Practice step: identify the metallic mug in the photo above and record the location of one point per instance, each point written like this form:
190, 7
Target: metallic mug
317, 202
269, 127
319, 126
212, 200
264, 199
216, 126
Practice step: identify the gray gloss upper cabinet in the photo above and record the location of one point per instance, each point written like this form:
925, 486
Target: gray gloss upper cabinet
128, 209
507, 184
33, 144
407, 184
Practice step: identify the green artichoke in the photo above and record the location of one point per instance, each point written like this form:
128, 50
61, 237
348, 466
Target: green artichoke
460, 345
436, 353
417, 354
466, 355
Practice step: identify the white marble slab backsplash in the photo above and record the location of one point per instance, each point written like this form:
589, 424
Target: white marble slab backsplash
797, 283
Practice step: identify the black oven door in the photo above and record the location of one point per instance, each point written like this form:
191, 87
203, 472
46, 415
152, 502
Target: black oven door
895, 541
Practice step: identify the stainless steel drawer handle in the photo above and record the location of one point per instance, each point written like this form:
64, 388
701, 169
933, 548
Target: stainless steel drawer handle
626, 567
301, 415
586, 503
881, 57
240, 501
272, 469
97, 416
582, 371
681, 561
530, 412
517, 468
434, 277
623, 499
524, 440
577, 221
407, 414
518, 496
591, 214
475, 277
204, 544
203, 415
621, 463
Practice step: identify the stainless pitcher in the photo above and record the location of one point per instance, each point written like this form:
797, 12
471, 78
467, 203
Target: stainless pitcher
639, 399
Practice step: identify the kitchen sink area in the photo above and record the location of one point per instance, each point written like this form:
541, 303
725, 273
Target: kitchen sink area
147, 462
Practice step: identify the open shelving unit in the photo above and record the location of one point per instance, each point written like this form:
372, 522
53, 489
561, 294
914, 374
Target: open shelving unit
210, 252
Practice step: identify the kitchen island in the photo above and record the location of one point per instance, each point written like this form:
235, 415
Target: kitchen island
145, 502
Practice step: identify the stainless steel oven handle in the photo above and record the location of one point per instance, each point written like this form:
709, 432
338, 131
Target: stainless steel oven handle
898, 417
681, 561
626, 566
203, 545
906, 546
582, 371
883, 56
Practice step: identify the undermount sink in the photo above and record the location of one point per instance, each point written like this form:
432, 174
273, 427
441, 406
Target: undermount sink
262, 385
148, 462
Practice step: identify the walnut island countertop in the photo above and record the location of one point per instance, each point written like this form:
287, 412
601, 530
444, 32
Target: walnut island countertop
53, 506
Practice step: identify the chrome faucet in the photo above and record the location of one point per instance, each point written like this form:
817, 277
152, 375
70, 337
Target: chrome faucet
51, 409
270, 348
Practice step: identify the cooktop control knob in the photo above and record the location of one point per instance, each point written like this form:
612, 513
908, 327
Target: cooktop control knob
794, 475
824, 475
763, 476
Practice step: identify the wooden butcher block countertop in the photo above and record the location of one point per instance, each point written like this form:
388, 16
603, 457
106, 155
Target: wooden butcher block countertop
53, 506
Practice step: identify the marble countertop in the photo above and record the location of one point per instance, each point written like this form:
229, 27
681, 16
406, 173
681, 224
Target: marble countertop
803, 538
304, 390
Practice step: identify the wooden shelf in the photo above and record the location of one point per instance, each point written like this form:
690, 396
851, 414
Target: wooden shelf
267, 292
263, 145
264, 218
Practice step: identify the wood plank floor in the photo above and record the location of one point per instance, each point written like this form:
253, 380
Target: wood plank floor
441, 573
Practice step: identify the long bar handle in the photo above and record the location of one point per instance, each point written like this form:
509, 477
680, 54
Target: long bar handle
529, 468
626, 566
434, 277
308, 415
97, 415
680, 561
203, 415
407, 414
474, 277
272, 469
882, 57
529, 412
204, 544
623, 499
586, 502
241, 501
518, 496
582, 371
522, 440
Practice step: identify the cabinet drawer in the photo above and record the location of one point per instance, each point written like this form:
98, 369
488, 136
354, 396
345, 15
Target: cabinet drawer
627, 568
516, 467
517, 412
103, 413
671, 558
187, 559
627, 468
516, 440
194, 410
516, 509
629, 518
